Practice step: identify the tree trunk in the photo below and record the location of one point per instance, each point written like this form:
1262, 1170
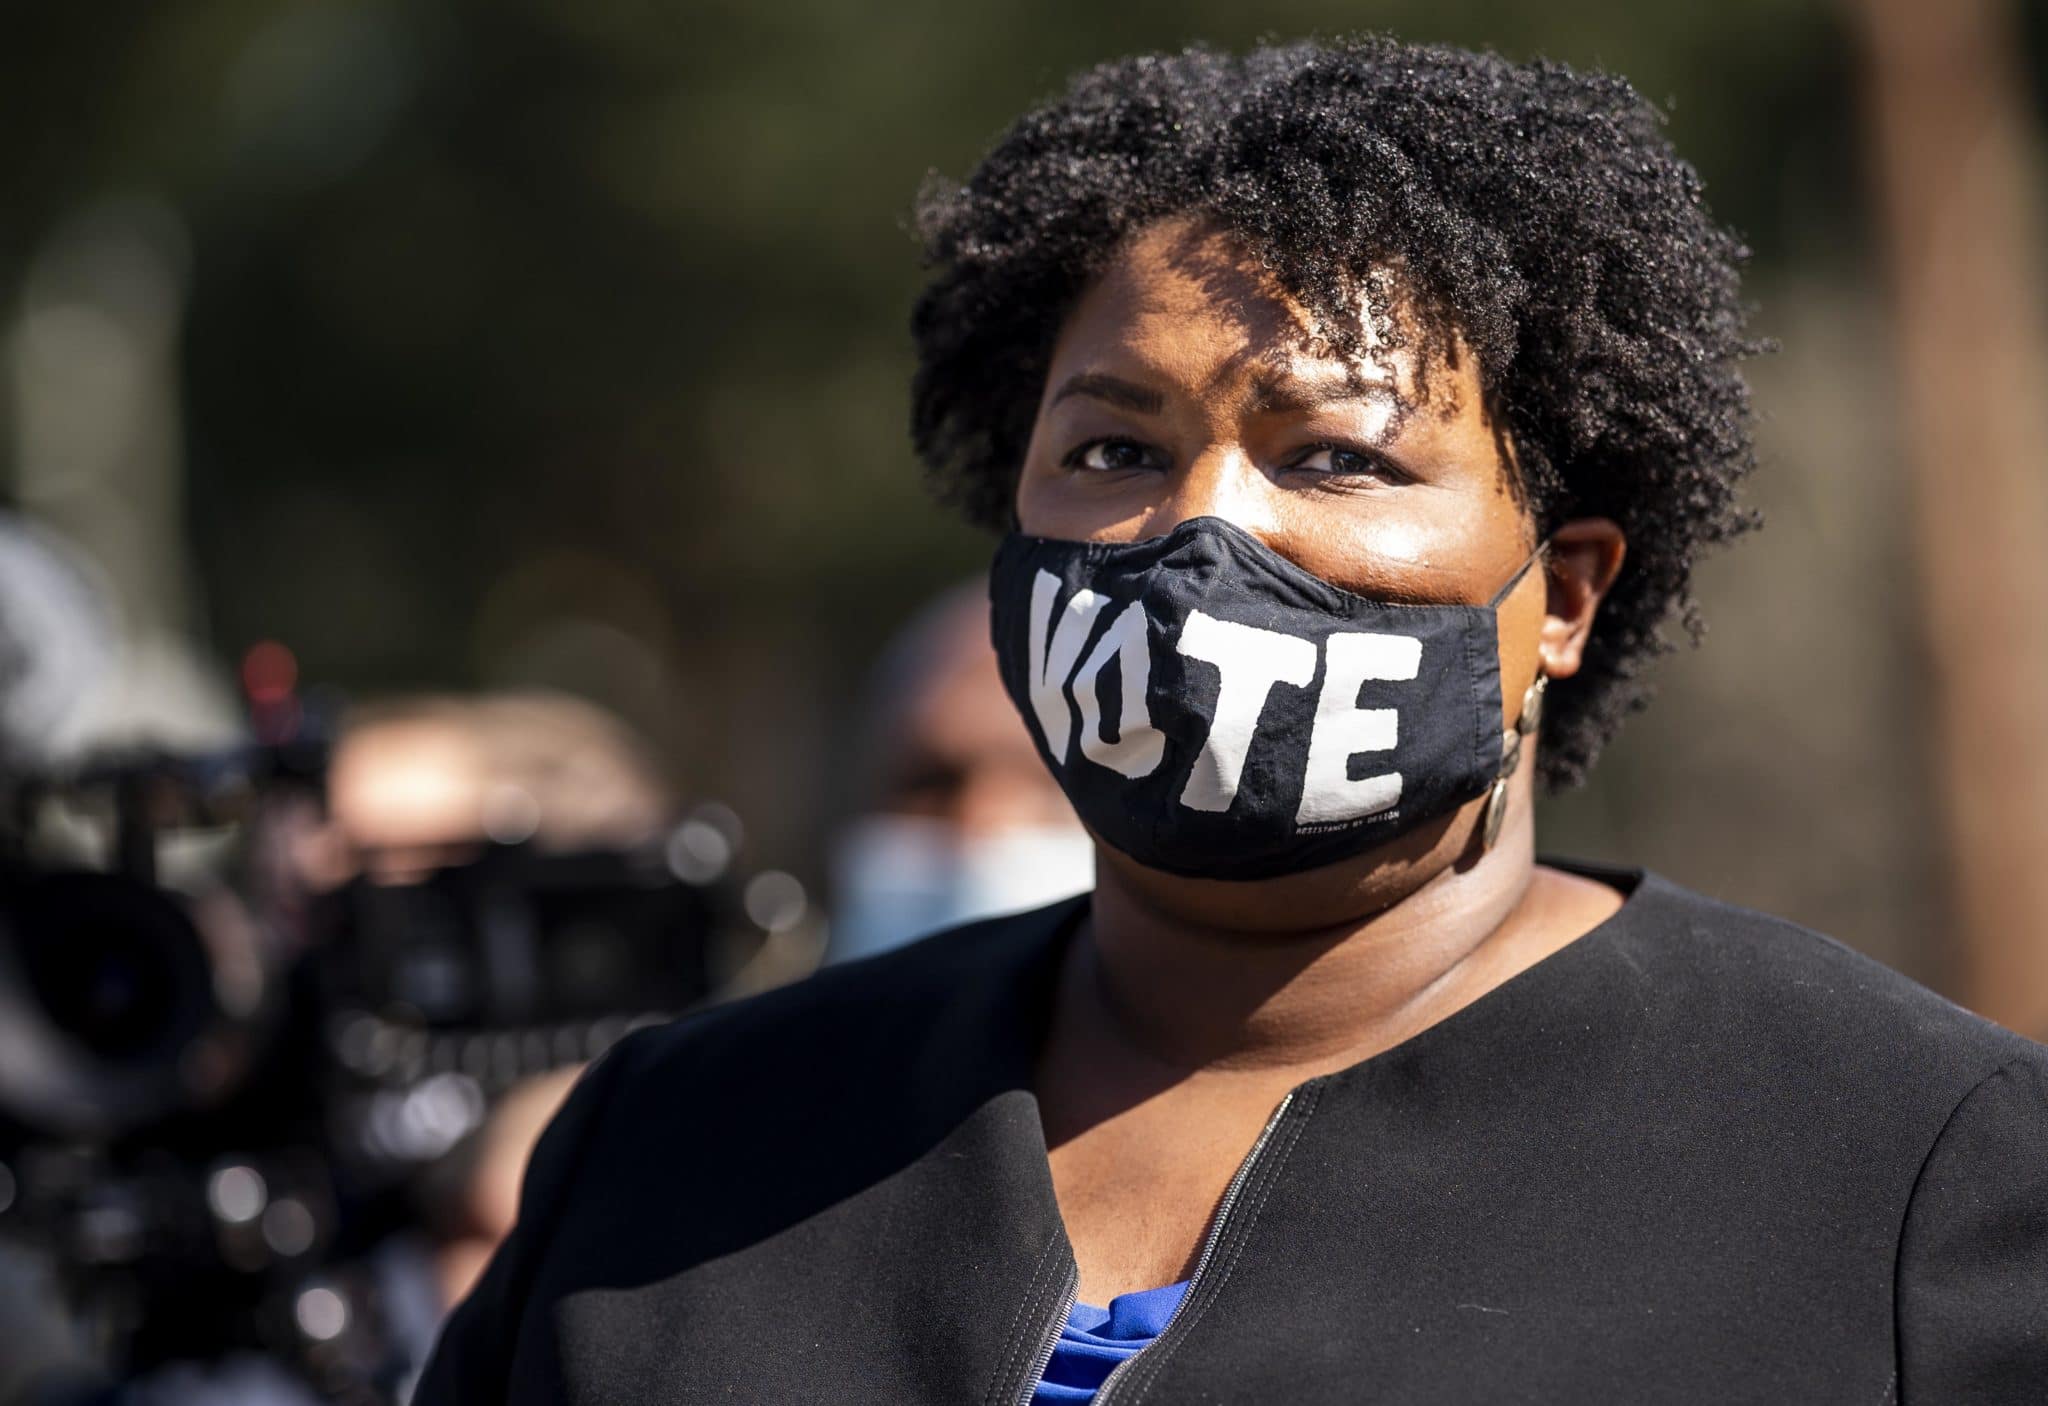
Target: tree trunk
1954, 166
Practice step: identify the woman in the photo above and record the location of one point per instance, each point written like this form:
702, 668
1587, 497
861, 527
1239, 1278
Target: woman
1356, 413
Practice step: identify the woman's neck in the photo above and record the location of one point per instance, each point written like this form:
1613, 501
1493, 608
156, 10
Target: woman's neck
1195, 993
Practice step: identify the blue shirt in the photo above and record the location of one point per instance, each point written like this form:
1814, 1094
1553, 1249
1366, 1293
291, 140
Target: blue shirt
1095, 1340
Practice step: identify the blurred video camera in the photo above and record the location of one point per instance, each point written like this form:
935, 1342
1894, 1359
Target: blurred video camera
219, 1092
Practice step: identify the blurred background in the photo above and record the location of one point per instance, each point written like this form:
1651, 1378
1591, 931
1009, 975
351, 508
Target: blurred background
551, 355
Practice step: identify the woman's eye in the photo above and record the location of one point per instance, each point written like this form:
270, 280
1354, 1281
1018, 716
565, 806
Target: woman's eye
1336, 460
1110, 455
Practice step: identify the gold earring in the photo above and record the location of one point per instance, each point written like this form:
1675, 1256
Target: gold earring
1511, 757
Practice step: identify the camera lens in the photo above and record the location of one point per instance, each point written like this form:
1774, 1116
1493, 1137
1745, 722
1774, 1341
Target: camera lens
104, 982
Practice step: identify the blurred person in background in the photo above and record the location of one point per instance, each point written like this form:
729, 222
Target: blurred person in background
418, 783
1355, 414
472, 1200
957, 819
417, 787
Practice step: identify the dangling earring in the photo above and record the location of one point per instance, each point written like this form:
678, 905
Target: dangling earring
1511, 757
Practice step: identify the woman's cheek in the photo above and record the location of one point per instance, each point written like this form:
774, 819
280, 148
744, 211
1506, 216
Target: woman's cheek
1380, 552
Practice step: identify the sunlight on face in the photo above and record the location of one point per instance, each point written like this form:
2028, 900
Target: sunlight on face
1186, 384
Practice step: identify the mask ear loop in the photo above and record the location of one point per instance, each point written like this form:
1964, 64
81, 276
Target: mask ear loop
1527, 724
1513, 581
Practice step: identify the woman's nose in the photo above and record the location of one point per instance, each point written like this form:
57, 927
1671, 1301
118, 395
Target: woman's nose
1220, 483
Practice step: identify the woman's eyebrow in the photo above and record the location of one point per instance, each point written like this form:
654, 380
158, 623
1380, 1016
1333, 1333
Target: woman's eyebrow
1127, 395
1272, 394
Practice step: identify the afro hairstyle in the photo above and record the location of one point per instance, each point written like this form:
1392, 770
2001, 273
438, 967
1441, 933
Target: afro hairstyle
1533, 212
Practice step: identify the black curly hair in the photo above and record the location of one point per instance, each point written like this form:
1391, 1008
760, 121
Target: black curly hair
1535, 211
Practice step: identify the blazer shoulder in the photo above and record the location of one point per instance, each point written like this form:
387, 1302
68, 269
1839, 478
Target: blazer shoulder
1794, 985
960, 984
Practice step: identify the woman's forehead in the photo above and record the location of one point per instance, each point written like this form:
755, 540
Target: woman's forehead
1189, 303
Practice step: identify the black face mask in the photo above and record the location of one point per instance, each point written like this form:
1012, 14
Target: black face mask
1213, 710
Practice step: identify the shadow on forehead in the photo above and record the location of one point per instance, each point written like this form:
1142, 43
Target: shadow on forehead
1382, 345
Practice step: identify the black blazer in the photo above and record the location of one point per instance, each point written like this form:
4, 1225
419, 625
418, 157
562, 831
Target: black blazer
1699, 1155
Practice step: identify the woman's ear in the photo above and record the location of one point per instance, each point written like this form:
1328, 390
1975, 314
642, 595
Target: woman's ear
1581, 562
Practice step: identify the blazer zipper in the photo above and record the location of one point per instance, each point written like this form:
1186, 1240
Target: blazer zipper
1052, 1336
1218, 1225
